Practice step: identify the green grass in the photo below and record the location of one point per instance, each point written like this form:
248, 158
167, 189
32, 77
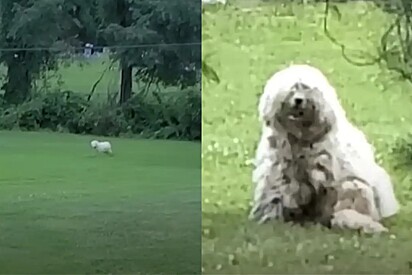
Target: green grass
66, 209
80, 74
246, 48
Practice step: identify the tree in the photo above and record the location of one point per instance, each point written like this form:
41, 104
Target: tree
35, 32
136, 23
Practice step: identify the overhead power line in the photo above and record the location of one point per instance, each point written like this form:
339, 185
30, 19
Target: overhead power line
111, 47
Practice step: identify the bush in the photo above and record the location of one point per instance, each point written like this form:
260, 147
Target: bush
401, 149
183, 112
174, 115
100, 120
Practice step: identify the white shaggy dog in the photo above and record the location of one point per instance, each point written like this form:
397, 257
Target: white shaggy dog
101, 146
299, 110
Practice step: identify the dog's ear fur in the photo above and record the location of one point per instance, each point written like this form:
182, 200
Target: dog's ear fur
270, 101
265, 107
327, 115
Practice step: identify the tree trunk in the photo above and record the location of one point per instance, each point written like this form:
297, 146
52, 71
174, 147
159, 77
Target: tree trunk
18, 85
126, 84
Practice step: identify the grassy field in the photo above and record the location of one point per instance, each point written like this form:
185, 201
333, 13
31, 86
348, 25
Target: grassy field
80, 74
65, 209
246, 47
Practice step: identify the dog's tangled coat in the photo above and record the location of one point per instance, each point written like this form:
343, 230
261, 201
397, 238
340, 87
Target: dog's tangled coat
310, 155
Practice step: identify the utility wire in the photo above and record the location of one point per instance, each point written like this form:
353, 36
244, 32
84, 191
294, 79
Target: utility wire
136, 46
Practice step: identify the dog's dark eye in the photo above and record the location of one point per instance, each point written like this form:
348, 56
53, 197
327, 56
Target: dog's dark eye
267, 122
300, 113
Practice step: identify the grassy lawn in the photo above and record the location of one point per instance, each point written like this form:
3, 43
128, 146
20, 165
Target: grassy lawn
80, 74
65, 209
246, 48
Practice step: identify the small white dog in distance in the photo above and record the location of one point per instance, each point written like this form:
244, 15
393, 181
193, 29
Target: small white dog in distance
102, 146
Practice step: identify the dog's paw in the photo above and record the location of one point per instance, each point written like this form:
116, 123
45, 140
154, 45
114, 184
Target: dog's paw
255, 213
349, 218
374, 228
266, 211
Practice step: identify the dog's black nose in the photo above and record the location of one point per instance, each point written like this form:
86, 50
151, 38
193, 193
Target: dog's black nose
298, 101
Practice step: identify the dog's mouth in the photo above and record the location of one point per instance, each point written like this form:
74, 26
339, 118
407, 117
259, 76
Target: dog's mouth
302, 119
296, 116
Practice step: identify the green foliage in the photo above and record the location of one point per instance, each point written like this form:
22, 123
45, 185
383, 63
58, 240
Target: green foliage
402, 150
166, 115
40, 24
61, 24
138, 22
171, 116
396, 43
394, 48
209, 72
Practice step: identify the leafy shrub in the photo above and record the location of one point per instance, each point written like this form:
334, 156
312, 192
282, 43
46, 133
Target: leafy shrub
99, 120
401, 149
9, 118
44, 111
174, 115
183, 114
143, 114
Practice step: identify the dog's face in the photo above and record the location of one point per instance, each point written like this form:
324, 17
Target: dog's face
299, 101
94, 143
303, 113
299, 107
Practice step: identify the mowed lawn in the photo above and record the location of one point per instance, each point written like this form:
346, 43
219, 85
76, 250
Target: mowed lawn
80, 74
66, 209
246, 47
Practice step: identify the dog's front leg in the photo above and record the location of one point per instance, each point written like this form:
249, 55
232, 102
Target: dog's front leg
268, 197
349, 218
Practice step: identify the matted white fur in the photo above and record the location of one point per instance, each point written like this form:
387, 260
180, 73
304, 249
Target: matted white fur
101, 146
356, 207
351, 219
355, 156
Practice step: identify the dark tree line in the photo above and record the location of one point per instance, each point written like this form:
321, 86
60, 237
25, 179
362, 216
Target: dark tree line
36, 32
